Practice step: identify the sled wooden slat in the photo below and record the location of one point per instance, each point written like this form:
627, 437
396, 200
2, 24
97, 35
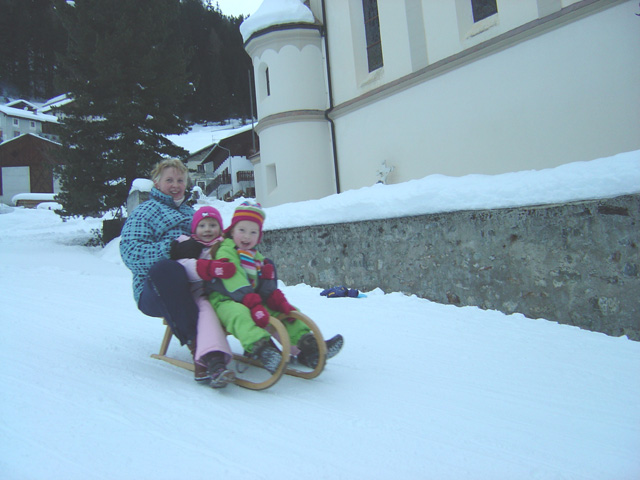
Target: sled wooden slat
322, 347
285, 347
164, 347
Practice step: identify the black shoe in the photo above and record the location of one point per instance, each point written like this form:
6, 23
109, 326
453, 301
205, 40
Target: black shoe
308, 346
219, 374
309, 356
269, 356
334, 345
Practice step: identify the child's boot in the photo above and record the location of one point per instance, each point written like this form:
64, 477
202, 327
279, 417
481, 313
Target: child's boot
334, 345
200, 373
217, 369
269, 356
308, 346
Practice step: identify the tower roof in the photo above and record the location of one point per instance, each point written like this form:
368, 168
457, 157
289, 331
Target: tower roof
275, 12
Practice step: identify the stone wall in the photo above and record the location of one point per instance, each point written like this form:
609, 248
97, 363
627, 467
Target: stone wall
574, 263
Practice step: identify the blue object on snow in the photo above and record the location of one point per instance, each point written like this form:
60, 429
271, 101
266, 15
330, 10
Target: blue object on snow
341, 291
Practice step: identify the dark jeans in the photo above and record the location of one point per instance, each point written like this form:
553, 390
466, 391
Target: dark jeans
167, 294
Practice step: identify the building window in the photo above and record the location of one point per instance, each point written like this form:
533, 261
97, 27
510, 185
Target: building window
16, 122
271, 177
267, 83
372, 34
200, 168
32, 124
483, 9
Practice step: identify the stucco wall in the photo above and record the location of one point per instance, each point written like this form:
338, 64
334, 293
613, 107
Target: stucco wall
567, 95
576, 264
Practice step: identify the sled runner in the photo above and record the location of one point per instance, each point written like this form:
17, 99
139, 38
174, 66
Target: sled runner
279, 332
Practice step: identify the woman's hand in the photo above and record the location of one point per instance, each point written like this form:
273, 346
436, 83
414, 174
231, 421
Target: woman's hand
187, 249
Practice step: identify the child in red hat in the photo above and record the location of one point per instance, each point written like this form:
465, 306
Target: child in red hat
245, 301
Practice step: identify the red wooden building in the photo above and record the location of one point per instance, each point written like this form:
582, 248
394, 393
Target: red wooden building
26, 166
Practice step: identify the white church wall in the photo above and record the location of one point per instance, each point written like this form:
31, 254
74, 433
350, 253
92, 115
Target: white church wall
293, 169
568, 95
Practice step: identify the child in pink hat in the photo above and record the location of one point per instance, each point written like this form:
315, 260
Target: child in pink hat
212, 352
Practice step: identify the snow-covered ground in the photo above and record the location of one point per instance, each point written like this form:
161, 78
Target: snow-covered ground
421, 390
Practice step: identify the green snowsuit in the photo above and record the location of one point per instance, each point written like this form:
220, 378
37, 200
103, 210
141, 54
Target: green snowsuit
227, 301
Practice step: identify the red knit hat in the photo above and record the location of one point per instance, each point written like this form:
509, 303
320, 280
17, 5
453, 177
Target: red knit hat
205, 212
248, 210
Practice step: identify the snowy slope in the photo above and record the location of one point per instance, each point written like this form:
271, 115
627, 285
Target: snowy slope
421, 390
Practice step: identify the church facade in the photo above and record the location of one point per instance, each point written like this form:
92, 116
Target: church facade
354, 92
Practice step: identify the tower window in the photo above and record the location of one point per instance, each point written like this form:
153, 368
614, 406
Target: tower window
266, 78
483, 9
372, 33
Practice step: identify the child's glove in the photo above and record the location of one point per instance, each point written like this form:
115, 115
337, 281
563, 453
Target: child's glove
259, 314
210, 269
267, 272
340, 291
278, 302
187, 249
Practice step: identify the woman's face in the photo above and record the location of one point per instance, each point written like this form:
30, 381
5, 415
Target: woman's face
246, 234
172, 182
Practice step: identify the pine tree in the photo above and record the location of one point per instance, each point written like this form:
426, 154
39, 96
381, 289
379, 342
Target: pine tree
125, 69
219, 68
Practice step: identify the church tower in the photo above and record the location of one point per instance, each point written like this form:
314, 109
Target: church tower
284, 42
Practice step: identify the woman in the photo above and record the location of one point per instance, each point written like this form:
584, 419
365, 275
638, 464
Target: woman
160, 285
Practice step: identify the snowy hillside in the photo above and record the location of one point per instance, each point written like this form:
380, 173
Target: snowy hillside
421, 390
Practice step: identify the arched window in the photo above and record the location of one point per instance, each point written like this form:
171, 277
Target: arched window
266, 79
372, 33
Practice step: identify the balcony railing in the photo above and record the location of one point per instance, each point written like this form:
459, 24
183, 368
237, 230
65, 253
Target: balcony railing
244, 176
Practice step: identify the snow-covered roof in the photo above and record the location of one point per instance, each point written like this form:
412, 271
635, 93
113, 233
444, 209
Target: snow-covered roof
17, 112
55, 102
32, 196
200, 137
22, 105
13, 139
275, 12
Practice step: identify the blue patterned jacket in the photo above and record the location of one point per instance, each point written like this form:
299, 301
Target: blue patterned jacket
147, 234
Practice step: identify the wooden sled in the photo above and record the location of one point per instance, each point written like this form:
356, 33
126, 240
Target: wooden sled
278, 330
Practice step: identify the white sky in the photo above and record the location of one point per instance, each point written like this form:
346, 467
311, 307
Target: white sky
238, 7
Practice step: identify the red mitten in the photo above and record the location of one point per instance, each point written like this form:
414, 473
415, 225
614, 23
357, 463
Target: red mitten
210, 269
267, 272
278, 302
259, 314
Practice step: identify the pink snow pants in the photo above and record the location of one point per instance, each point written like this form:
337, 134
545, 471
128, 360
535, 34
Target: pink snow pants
210, 335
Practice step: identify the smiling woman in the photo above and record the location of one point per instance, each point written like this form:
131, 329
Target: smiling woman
235, 8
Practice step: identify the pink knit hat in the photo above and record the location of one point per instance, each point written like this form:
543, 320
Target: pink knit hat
205, 212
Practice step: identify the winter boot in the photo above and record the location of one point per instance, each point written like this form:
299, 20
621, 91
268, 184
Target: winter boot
308, 346
219, 374
269, 356
334, 345
200, 373
309, 356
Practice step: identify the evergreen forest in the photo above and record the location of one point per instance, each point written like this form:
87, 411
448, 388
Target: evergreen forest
137, 71
36, 38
